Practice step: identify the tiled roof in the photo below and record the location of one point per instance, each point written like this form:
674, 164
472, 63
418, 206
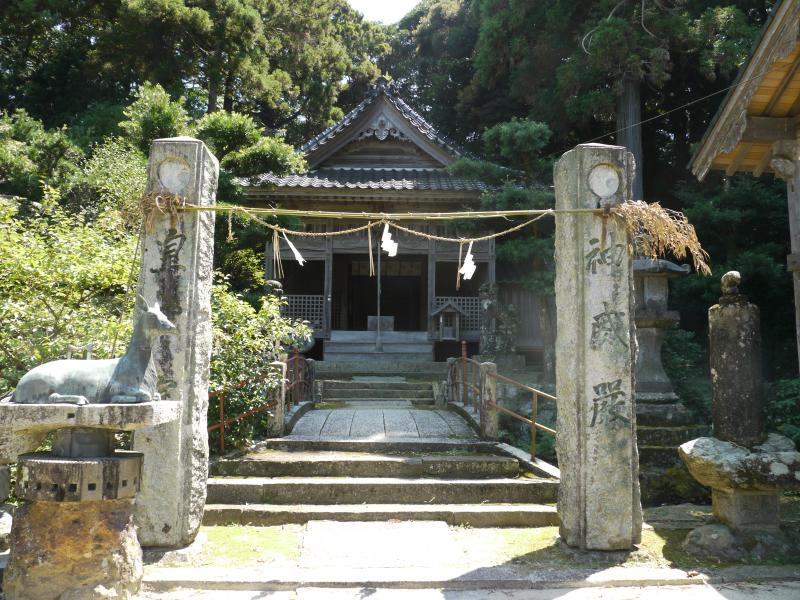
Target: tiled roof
413, 118
373, 179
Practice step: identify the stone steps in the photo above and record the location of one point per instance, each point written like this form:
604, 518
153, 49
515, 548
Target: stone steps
372, 490
378, 364
415, 348
406, 359
351, 464
389, 393
333, 384
471, 515
338, 335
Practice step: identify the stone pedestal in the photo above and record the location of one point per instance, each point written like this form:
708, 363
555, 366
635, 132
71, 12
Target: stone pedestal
177, 271
74, 550
740, 509
734, 332
746, 486
598, 501
74, 537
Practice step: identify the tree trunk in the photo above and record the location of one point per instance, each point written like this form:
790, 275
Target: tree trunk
629, 115
212, 98
227, 102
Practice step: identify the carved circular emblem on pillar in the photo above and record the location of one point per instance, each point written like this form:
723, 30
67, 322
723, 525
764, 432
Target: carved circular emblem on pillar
604, 180
174, 175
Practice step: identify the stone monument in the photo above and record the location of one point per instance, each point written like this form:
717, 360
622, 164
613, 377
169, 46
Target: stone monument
598, 501
745, 468
177, 267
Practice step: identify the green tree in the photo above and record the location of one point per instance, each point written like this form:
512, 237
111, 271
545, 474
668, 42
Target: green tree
31, 156
227, 132
516, 170
153, 115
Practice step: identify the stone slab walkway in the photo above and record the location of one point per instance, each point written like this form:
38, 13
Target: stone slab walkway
369, 422
785, 590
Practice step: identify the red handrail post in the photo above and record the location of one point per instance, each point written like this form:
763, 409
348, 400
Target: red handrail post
464, 396
221, 398
534, 411
296, 376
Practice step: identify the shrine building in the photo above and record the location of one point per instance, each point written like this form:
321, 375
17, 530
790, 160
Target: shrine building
384, 157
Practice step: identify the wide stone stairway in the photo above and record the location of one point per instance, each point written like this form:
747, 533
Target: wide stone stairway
377, 449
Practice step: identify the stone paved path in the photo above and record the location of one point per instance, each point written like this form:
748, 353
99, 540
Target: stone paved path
369, 421
787, 590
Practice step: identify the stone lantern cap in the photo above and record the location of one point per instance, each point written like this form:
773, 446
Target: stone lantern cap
23, 426
772, 465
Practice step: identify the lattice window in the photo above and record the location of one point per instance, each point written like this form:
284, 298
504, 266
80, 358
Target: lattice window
471, 305
308, 307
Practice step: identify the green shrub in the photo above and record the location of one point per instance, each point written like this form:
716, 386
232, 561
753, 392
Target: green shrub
246, 340
153, 115
783, 408
62, 282
686, 364
227, 132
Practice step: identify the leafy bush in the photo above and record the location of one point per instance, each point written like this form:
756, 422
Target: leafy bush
227, 132
62, 282
783, 408
31, 156
268, 155
685, 362
153, 115
246, 340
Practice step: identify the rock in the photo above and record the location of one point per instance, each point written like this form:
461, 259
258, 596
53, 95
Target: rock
177, 269
725, 466
5, 527
714, 541
720, 543
74, 550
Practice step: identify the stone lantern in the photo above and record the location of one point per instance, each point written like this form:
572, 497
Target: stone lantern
653, 319
663, 421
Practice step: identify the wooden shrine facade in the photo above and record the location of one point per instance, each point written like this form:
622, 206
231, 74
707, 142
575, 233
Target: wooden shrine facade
382, 157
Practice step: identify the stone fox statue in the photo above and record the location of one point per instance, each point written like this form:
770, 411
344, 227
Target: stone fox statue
125, 380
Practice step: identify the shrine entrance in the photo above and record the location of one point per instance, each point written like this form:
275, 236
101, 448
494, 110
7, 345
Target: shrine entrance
403, 283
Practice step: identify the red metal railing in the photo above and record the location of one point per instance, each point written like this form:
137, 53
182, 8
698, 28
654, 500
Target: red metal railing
299, 387
535, 395
465, 384
299, 380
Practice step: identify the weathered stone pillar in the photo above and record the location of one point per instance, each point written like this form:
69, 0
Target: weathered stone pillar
598, 500
277, 416
177, 271
734, 333
488, 401
5, 482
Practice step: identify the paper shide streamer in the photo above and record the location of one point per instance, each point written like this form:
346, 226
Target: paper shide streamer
387, 243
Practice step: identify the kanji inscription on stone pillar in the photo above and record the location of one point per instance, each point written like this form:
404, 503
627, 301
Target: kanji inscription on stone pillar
177, 271
598, 502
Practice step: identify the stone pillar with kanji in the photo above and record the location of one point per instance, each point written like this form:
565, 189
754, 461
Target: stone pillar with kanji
599, 503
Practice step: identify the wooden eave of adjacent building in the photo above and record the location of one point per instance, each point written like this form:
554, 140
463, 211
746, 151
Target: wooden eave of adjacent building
763, 108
